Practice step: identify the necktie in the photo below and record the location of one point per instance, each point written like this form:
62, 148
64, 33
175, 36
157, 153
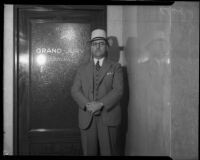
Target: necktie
98, 66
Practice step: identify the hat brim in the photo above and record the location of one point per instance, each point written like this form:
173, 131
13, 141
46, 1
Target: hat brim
98, 38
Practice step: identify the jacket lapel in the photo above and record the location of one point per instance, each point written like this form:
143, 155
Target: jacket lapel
103, 70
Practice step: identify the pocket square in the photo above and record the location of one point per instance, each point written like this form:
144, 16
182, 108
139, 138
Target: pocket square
109, 73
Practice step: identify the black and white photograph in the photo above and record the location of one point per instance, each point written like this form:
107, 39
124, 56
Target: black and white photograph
101, 79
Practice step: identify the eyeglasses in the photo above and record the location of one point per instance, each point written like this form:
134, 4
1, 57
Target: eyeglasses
95, 44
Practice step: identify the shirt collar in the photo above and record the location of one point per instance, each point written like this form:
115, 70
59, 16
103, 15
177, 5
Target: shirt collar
100, 61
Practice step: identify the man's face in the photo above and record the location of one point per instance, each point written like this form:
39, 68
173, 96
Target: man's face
98, 48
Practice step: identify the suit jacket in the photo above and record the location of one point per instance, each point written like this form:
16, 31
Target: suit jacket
109, 91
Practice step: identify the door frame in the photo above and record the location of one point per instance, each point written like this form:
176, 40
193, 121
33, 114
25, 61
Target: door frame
17, 8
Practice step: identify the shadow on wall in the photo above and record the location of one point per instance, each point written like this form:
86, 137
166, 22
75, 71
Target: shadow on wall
131, 52
148, 76
114, 54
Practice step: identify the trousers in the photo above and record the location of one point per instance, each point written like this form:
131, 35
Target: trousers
99, 139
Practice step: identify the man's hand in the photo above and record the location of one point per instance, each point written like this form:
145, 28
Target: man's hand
94, 107
89, 107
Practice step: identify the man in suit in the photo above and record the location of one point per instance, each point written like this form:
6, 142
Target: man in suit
97, 89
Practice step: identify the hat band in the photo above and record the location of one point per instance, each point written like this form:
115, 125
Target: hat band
98, 38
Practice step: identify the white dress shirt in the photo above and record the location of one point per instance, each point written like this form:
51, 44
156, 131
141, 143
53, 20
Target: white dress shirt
100, 61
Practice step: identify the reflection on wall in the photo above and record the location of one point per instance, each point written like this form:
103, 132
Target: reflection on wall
162, 60
148, 57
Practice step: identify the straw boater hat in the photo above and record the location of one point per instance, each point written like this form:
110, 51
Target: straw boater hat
98, 34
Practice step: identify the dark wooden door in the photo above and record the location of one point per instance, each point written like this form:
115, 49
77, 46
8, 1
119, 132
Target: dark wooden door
50, 43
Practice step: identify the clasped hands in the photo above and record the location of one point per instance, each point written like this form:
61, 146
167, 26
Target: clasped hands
94, 107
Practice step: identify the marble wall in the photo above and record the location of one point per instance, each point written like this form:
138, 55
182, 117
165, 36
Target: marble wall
8, 81
149, 69
184, 80
163, 70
